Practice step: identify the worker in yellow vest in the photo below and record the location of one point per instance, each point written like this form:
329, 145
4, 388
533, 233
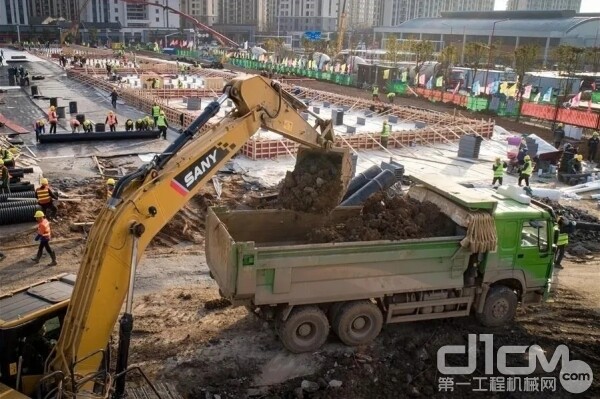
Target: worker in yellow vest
375, 93
162, 124
155, 112
498, 168
385, 134
561, 238
526, 171
46, 196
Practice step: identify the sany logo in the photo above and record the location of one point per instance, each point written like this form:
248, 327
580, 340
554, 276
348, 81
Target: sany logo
575, 375
201, 168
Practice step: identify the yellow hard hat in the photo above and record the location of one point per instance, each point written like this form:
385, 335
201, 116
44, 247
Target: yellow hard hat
560, 125
110, 182
498, 159
579, 157
39, 214
44, 181
110, 112
527, 158
52, 108
162, 113
595, 134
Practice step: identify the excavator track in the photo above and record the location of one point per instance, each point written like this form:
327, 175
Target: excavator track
166, 390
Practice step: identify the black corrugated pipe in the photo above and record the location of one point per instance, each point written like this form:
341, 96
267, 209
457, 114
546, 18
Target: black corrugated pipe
19, 214
382, 181
23, 194
70, 137
12, 171
18, 188
361, 179
14, 204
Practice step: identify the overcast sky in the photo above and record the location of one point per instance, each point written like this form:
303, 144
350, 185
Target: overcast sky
586, 5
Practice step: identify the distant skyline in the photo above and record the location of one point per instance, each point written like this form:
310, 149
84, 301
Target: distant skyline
586, 5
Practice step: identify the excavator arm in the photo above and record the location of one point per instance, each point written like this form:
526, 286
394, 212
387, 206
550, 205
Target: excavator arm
144, 201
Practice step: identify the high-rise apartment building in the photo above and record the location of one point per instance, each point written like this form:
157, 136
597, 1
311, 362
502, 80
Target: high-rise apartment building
361, 14
143, 16
397, 11
307, 15
519, 5
42, 9
14, 12
205, 11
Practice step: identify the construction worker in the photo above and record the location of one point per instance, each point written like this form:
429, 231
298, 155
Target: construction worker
43, 236
40, 128
75, 125
139, 124
7, 156
162, 124
111, 121
4, 178
53, 118
391, 96
559, 135
498, 168
88, 126
575, 166
128, 125
179, 84
561, 238
385, 134
525, 171
155, 111
110, 187
149, 122
375, 93
113, 98
593, 146
46, 196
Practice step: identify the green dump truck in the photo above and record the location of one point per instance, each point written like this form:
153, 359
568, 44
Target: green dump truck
501, 254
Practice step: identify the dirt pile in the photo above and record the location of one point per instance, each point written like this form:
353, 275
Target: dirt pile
313, 186
384, 218
590, 240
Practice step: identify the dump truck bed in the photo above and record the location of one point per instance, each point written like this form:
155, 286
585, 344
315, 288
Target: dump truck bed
263, 257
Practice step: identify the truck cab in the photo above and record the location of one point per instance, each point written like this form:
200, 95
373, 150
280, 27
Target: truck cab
30, 324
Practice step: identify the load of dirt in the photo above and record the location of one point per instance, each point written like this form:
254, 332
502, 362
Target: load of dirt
314, 186
385, 218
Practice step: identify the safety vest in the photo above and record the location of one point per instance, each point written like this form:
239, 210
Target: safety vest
161, 121
375, 91
385, 132
498, 170
6, 155
179, 84
43, 195
391, 95
528, 169
43, 228
112, 119
53, 117
155, 110
149, 121
87, 123
563, 239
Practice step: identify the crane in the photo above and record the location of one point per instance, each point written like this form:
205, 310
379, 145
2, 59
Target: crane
341, 28
224, 40
74, 29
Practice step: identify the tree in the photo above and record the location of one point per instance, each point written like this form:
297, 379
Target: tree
423, 51
525, 57
93, 35
273, 45
307, 45
392, 48
475, 55
592, 58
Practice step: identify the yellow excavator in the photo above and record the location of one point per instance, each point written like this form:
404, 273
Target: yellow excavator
54, 336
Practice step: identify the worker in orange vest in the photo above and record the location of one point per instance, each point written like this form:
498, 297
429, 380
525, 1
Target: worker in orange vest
111, 121
43, 236
46, 196
53, 118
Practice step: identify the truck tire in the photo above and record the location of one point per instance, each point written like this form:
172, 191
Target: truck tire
500, 307
305, 330
358, 323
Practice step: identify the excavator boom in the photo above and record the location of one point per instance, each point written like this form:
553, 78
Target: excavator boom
144, 201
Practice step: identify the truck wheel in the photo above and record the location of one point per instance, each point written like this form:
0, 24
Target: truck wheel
358, 323
500, 307
305, 330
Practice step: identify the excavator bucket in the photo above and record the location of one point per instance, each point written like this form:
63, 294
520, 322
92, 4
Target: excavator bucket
319, 180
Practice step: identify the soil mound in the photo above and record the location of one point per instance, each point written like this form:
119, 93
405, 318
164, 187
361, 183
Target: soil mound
385, 218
